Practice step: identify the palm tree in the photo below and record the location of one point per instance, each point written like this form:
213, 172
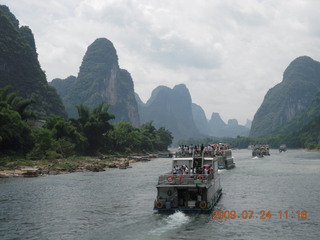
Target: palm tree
94, 125
17, 103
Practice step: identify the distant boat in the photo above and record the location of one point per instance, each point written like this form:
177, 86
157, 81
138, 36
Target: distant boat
223, 153
260, 150
282, 148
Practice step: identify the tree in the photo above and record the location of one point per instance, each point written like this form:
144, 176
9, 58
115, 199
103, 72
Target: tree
15, 133
94, 126
148, 138
17, 103
125, 137
66, 136
164, 139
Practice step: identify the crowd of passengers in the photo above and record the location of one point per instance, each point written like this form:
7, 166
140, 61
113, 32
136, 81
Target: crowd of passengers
185, 170
198, 150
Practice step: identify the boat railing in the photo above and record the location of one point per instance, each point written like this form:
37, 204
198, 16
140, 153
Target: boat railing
193, 154
185, 179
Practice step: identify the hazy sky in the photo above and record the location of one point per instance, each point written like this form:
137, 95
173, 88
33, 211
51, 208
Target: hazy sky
229, 53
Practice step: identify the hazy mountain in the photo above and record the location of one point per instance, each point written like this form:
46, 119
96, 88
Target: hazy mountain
220, 129
200, 119
100, 80
20, 68
233, 129
248, 124
170, 108
286, 100
217, 125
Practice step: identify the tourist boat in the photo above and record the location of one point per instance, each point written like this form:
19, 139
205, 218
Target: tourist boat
265, 150
260, 150
223, 153
188, 191
282, 148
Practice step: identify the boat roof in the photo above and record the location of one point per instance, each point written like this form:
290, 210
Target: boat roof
183, 186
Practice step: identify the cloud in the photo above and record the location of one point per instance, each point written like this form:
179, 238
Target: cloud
228, 53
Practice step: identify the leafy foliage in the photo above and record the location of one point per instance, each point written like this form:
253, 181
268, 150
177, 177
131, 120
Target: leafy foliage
89, 134
127, 138
15, 134
94, 126
20, 68
18, 103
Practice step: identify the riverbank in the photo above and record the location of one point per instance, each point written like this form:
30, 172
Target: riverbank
29, 168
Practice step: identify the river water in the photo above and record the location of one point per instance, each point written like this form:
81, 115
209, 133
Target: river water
117, 204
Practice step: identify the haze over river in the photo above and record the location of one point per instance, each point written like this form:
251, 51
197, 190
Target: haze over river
118, 204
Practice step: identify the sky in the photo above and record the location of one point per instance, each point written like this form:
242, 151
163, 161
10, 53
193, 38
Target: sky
228, 53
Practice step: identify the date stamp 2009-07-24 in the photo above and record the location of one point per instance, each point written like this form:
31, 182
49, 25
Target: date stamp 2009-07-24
262, 214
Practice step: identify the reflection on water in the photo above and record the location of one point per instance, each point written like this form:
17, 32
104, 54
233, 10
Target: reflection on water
117, 204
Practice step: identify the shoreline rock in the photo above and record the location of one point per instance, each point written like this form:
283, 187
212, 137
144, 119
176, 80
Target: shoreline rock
62, 166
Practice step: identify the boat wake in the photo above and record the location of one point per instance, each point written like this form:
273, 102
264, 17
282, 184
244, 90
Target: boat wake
172, 222
255, 157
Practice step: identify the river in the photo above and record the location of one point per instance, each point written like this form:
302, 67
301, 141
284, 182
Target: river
118, 204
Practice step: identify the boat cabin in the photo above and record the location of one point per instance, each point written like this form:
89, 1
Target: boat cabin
192, 185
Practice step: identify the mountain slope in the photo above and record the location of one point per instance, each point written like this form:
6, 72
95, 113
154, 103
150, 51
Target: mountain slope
20, 68
301, 82
311, 113
200, 119
170, 108
100, 80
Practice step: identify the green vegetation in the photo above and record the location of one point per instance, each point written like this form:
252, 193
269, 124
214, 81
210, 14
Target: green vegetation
89, 134
286, 102
20, 68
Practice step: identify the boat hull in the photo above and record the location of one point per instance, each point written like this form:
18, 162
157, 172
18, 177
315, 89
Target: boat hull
191, 210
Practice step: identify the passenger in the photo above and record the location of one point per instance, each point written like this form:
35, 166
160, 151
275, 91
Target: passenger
186, 170
210, 150
205, 151
174, 170
199, 199
191, 172
168, 204
211, 169
205, 170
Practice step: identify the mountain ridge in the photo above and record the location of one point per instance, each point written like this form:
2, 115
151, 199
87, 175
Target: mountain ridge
301, 82
100, 79
20, 68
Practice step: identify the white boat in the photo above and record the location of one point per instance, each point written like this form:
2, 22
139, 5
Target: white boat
186, 191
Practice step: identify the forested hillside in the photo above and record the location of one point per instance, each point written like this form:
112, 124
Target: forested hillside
20, 68
288, 99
